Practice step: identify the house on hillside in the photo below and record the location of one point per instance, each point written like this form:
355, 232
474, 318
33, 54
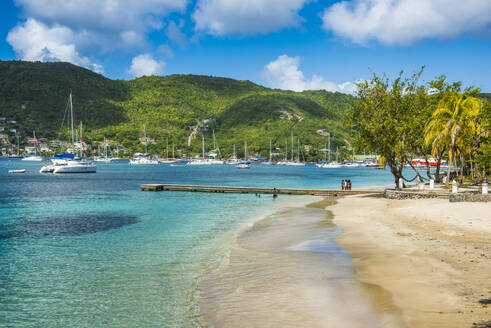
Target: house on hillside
322, 132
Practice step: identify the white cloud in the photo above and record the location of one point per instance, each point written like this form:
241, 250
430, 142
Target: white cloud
246, 17
115, 15
145, 64
63, 29
402, 22
283, 73
34, 41
175, 34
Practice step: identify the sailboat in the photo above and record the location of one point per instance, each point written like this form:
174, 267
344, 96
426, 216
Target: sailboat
353, 163
269, 162
297, 162
285, 161
168, 160
329, 164
34, 157
204, 160
105, 158
246, 164
75, 166
142, 159
233, 160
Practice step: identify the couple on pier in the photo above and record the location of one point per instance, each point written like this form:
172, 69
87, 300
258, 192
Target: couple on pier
346, 184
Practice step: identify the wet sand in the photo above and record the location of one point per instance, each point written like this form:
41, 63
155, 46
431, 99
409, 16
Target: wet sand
286, 271
431, 258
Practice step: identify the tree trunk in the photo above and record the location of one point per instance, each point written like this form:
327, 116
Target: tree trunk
449, 164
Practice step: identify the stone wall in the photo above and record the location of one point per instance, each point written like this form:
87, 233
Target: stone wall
403, 194
469, 197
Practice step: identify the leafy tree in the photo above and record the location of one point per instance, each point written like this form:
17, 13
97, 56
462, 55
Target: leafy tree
384, 118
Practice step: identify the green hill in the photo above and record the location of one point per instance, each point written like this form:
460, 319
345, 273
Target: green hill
171, 107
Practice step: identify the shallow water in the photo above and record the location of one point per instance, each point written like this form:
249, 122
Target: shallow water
93, 251
287, 271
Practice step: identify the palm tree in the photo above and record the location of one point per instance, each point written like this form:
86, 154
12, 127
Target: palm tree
454, 117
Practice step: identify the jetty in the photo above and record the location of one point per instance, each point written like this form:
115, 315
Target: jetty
254, 190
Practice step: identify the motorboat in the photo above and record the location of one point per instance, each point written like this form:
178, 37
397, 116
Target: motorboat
351, 164
243, 166
141, 159
32, 158
18, 171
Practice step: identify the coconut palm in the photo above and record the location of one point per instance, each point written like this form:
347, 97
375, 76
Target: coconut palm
454, 117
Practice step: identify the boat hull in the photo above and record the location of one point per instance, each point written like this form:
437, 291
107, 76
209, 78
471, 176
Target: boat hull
75, 169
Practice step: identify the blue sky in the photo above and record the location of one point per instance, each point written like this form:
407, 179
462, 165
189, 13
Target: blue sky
287, 44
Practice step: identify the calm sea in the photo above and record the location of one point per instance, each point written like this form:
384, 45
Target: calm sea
94, 251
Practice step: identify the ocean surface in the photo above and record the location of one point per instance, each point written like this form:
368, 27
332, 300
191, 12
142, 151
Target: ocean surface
92, 250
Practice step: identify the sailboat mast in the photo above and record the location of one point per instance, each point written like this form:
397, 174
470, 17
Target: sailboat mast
325, 152
82, 149
71, 117
235, 155
167, 148
35, 143
270, 149
298, 150
292, 146
245, 150
286, 150
329, 143
203, 145
145, 138
173, 151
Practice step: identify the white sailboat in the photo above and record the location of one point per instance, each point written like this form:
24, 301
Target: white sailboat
168, 160
105, 158
34, 157
204, 160
246, 164
352, 163
297, 162
233, 160
75, 166
269, 162
142, 159
329, 164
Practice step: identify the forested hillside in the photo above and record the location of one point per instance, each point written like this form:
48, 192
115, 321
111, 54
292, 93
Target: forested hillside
171, 107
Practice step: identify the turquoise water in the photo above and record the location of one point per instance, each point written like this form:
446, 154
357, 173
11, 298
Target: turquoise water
94, 251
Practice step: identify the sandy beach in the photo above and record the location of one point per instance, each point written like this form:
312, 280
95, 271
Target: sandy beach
431, 258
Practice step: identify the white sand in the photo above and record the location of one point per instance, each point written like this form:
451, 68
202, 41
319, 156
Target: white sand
432, 257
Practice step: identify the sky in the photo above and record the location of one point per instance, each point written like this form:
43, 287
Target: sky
286, 44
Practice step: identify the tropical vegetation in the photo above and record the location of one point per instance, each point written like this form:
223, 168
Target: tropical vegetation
404, 118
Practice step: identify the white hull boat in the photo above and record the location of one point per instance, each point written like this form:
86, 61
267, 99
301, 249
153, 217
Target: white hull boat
243, 166
18, 171
33, 158
75, 167
143, 161
331, 165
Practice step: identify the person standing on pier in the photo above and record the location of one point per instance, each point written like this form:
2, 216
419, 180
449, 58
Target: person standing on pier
343, 184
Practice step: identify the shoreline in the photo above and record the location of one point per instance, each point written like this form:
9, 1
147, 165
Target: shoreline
285, 270
431, 258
